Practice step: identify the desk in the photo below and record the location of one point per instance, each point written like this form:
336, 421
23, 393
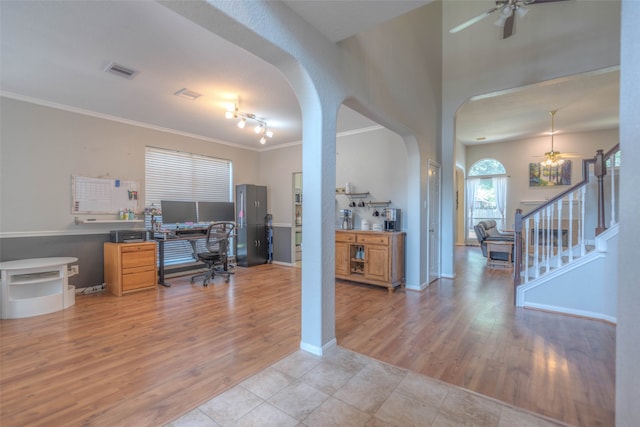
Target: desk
168, 236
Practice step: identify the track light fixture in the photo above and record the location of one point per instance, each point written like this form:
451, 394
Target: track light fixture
261, 124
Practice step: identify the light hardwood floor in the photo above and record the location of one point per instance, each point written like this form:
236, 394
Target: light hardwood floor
147, 358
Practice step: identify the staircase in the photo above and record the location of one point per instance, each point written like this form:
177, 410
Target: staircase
565, 254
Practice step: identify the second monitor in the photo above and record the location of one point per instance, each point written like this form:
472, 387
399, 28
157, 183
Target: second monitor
216, 211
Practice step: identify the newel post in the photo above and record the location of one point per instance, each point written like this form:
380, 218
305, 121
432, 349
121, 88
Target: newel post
600, 171
517, 242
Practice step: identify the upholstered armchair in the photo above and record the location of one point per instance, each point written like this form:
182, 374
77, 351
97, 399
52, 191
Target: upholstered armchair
487, 231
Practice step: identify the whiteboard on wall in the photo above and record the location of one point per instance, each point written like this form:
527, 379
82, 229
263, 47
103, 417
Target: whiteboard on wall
99, 195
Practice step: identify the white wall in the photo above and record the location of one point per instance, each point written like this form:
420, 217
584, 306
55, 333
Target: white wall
516, 156
276, 172
373, 160
570, 38
628, 332
566, 292
43, 146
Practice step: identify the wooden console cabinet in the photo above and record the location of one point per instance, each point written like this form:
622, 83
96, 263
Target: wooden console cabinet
372, 257
130, 267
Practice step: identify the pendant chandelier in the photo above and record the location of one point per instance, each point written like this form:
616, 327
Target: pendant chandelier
552, 157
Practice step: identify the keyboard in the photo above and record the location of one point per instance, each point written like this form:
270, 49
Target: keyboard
191, 232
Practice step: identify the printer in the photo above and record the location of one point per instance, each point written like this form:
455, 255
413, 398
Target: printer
128, 236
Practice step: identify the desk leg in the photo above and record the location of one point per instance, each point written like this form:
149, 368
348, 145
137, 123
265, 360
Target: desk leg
161, 266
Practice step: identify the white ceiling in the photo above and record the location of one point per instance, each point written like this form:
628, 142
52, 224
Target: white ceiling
586, 102
55, 53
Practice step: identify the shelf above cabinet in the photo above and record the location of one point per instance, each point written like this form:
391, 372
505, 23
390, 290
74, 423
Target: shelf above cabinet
356, 195
375, 203
78, 220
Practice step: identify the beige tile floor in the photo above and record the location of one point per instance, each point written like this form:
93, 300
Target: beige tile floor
344, 388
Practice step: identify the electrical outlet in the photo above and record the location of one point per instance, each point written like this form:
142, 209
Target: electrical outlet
73, 270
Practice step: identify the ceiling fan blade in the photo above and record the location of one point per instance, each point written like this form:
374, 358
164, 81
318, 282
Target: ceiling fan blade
507, 29
472, 21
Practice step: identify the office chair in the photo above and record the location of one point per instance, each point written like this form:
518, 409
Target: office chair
217, 256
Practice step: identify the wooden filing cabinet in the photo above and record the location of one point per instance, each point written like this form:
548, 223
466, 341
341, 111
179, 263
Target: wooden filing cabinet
375, 258
130, 267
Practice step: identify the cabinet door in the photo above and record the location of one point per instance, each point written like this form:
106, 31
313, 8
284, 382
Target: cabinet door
244, 204
342, 258
252, 247
251, 204
260, 199
241, 247
376, 262
260, 246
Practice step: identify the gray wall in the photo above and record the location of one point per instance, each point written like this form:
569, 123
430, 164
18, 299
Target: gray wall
87, 248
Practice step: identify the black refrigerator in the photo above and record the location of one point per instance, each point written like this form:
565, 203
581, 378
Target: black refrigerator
251, 210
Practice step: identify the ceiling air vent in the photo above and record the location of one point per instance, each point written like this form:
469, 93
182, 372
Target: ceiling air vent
189, 94
120, 70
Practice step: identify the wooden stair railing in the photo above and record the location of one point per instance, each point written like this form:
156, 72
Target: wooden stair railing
551, 238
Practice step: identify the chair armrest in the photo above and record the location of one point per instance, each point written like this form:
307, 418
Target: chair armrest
503, 238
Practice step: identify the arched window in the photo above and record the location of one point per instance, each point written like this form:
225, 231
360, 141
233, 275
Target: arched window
486, 194
487, 167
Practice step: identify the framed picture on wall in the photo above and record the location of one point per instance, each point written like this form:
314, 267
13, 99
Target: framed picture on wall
541, 175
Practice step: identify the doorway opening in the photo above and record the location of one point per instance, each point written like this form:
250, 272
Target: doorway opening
486, 195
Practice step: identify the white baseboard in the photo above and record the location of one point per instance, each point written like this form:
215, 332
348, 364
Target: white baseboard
318, 351
572, 312
287, 264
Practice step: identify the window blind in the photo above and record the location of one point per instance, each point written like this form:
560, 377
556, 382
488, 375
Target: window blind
175, 175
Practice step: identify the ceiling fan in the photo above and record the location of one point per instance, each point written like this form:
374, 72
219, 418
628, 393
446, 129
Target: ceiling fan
554, 158
507, 9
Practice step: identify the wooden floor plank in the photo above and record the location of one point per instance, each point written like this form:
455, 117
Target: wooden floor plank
147, 358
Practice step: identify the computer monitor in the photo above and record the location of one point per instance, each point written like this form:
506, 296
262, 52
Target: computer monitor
178, 212
216, 211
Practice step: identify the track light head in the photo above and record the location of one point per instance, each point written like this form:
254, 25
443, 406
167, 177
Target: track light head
260, 127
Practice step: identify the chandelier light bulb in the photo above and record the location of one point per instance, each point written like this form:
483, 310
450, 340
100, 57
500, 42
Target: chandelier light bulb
269, 134
258, 128
263, 140
242, 123
229, 114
